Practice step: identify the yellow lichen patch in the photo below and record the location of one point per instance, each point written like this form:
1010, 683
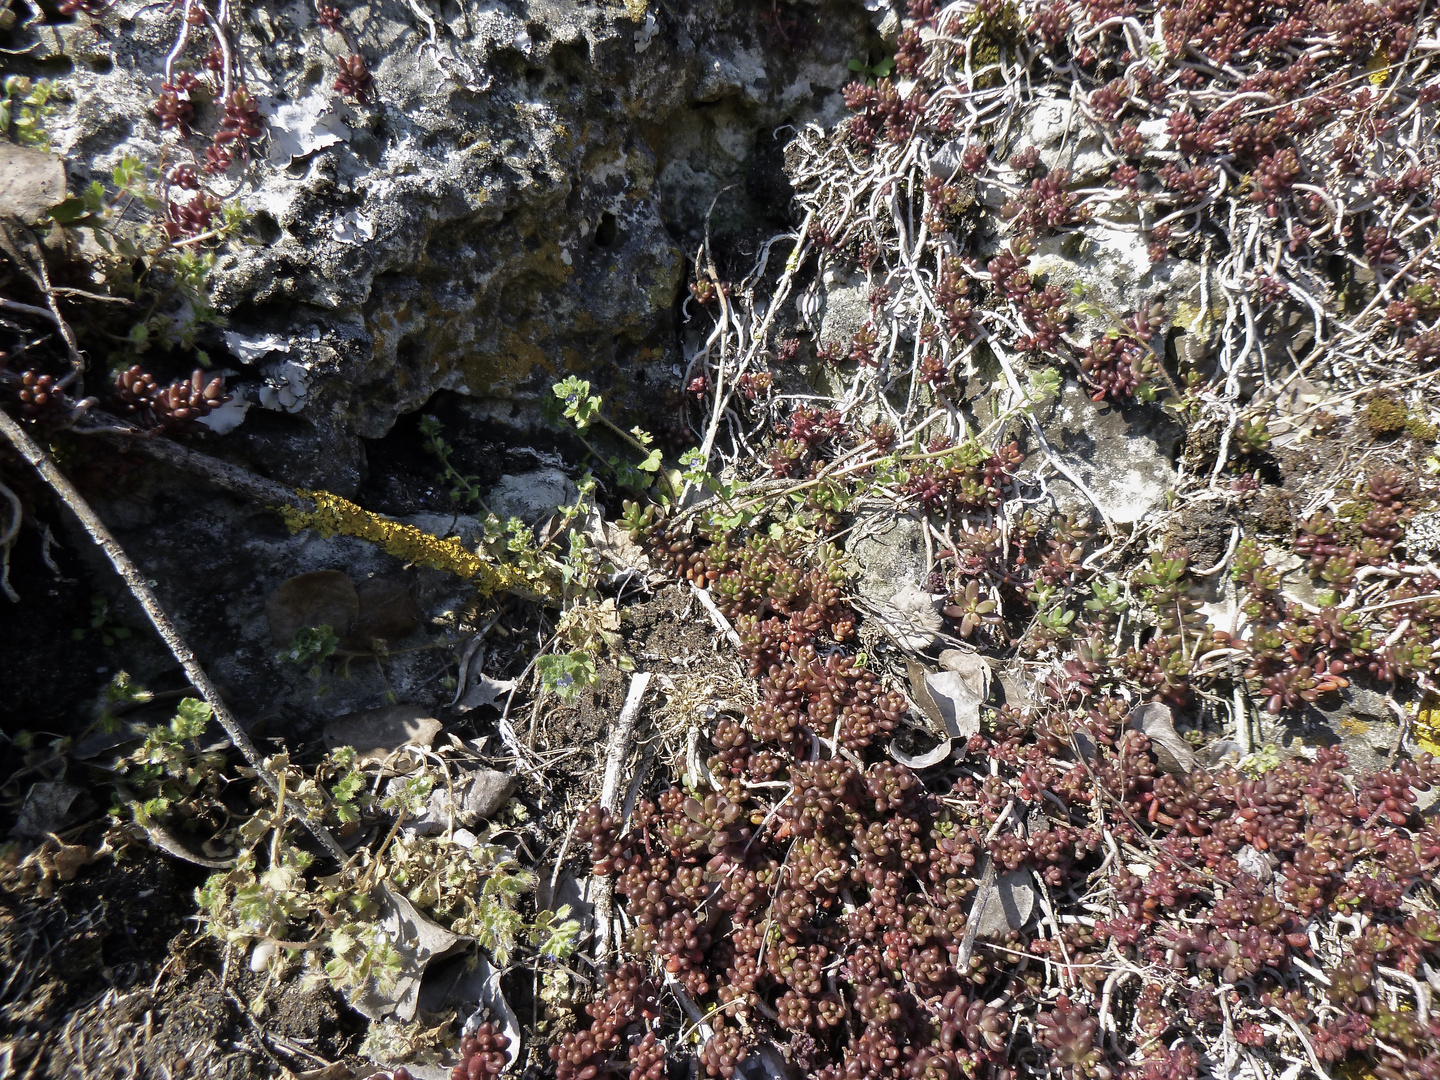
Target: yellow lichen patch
334, 516
1193, 319
1379, 68
1427, 724
514, 361
1351, 727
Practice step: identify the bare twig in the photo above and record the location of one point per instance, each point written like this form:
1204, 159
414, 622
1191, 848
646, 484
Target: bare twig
150, 604
220, 473
7, 541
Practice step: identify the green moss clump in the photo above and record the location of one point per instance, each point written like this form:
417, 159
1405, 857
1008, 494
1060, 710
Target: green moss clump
1353, 511
1419, 428
1385, 417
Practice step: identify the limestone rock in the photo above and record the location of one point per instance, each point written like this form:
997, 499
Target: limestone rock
478, 795
31, 181
1125, 456
1110, 272
847, 309
516, 202
1356, 718
531, 496
376, 733
1009, 902
888, 556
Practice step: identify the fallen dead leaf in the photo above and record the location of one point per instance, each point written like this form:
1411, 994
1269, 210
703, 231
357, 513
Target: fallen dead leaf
387, 611
48, 807
959, 690
485, 691
319, 598
376, 733
926, 760
614, 546
910, 619
1172, 753
419, 943
474, 991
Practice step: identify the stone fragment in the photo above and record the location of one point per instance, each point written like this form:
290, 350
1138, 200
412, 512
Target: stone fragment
531, 496
31, 182
1125, 456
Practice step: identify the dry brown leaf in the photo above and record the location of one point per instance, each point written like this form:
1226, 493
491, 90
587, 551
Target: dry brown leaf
320, 598
419, 942
1173, 754
376, 733
387, 611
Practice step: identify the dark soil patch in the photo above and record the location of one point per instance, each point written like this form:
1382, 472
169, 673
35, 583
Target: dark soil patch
668, 634
107, 978
1204, 531
671, 630
109, 929
189, 1024
1271, 511
53, 607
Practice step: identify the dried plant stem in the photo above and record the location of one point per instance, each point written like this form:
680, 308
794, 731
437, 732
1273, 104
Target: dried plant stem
163, 841
716, 616
7, 541
1242, 723
220, 473
621, 739
145, 597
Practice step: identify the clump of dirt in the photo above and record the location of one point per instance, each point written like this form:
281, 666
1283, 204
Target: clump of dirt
667, 633
1204, 531
110, 927
191, 1024
671, 630
107, 978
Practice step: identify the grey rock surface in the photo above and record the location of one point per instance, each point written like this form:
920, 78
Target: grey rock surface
1111, 273
376, 733
888, 556
1124, 456
846, 310
1008, 905
1355, 718
31, 181
478, 795
531, 496
515, 202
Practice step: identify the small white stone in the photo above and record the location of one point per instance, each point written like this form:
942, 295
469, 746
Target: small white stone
261, 955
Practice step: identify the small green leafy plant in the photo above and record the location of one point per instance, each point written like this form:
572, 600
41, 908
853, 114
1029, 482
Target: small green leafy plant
101, 624
566, 675
464, 489
583, 409
171, 773
881, 69
25, 105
